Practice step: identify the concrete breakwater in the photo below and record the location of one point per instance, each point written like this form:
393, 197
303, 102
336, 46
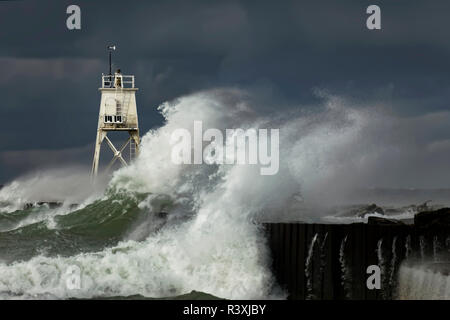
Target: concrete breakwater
330, 261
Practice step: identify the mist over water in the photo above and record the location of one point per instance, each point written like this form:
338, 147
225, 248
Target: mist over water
211, 240
71, 185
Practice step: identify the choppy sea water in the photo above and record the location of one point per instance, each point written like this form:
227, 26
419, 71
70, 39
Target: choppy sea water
158, 230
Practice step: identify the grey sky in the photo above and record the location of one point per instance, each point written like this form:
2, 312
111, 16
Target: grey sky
50, 75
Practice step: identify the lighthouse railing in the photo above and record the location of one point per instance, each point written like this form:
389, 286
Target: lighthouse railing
108, 81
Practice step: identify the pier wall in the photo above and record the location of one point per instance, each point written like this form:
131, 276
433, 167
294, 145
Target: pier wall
329, 261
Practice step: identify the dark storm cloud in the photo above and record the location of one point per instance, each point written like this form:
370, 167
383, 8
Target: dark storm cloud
22, 161
50, 75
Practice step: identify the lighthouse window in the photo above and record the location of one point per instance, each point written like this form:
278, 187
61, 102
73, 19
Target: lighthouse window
118, 119
108, 119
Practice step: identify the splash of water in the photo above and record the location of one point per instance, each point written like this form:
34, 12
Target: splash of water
382, 265
323, 256
345, 270
436, 248
308, 269
217, 248
380, 252
420, 282
393, 268
423, 247
408, 249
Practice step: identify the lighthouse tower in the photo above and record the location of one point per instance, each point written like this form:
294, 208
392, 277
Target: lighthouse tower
118, 112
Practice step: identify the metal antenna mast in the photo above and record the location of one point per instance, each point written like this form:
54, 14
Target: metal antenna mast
110, 50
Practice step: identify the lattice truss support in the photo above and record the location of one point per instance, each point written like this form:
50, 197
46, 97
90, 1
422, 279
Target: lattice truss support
133, 141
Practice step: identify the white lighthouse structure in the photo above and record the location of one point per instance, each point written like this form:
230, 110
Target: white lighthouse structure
118, 112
